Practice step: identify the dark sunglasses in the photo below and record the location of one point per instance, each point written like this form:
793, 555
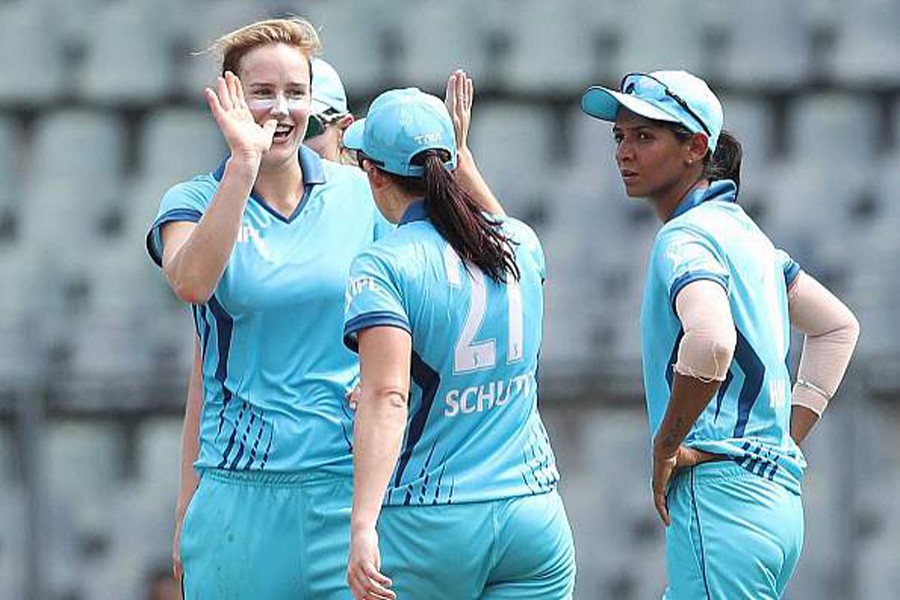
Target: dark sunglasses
319, 123
648, 86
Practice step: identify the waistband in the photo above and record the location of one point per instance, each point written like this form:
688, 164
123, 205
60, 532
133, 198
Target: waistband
720, 469
274, 479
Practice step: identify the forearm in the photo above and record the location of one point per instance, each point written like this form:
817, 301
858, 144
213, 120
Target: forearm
831, 334
378, 434
195, 269
690, 396
802, 422
190, 434
470, 178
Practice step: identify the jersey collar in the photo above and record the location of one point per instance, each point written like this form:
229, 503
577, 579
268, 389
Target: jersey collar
310, 164
313, 174
723, 189
414, 212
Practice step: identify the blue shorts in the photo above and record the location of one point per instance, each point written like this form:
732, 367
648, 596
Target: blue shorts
511, 548
734, 535
249, 535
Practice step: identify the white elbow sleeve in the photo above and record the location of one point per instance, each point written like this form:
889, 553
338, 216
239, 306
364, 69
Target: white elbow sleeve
707, 347
831, 333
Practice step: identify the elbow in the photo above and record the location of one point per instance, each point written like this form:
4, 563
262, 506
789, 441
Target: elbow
190, 291
852, 329
390, 398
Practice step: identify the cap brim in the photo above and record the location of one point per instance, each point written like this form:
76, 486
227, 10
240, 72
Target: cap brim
318, 107
604, 104
353, 135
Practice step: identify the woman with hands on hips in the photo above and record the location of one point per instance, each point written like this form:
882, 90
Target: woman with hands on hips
716, 315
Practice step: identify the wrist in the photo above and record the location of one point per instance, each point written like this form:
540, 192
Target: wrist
358, 526
664, 449
245, 164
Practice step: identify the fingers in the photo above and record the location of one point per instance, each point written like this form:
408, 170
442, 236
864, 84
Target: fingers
366, 582
224, 94
659, 499
238, 91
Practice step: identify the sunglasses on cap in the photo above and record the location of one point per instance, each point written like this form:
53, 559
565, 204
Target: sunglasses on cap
643, 85
319, 123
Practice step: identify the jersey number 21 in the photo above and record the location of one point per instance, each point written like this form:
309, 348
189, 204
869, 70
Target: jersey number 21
468, 354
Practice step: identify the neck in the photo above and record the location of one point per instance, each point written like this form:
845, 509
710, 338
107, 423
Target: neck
668, 200
393, 202
281, 186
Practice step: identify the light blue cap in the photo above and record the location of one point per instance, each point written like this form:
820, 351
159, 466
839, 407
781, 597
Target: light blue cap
327, 90
656, 96
400, 124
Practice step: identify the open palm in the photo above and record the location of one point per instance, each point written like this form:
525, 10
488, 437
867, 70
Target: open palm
245, 137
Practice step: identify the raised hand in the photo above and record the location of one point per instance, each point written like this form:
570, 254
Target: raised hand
247, 139
458, 98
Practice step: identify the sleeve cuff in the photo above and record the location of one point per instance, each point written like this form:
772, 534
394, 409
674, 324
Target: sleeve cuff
154, 239
368, 320
791, 270
687, 278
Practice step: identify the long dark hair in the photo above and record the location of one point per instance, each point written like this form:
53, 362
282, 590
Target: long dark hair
477, 238
725, 162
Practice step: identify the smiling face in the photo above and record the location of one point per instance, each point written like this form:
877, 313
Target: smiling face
276, 83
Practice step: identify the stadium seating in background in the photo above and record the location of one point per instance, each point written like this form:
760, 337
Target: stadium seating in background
33, 68
130, 62
866, 43
769, 51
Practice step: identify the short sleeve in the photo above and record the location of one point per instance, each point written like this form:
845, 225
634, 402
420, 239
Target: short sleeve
373, 297
528, 241
788, 265
682, 256
183, 202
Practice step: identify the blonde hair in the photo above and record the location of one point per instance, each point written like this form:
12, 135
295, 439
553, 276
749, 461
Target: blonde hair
296, 32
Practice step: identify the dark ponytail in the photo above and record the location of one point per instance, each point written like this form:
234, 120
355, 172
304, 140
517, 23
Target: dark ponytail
724, 163
460, 220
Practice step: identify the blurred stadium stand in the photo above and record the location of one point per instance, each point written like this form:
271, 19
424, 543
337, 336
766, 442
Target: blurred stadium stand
101, 110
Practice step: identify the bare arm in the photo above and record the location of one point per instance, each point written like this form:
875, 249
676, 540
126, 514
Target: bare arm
459, 97
831, 333
384, 355
704, 355
190, 448
195, 255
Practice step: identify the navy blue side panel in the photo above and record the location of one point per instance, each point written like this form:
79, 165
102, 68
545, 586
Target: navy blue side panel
428, 381
754, 373
673, 357
224, 327
723, 389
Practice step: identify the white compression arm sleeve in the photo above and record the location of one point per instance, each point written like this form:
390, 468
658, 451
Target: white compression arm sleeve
707, 346
831, 333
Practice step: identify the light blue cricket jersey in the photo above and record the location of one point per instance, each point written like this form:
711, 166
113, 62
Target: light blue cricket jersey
709, 236
274, 369
474, 432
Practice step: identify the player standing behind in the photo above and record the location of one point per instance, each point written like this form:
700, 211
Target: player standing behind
261, 248
330, 115
716, 315
460, 459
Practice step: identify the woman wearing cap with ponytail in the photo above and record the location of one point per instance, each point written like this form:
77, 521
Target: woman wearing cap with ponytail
718, 305
261, 248
451, 458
